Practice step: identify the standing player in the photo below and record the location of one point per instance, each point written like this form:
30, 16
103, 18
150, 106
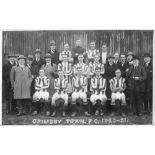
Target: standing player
98, 88
60, 85
66, 64
118, 86
97, 64
92, 52
104, 53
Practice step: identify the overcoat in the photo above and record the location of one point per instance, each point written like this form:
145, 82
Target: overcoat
21, 82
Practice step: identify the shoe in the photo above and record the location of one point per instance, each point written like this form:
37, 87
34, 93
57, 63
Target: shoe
53, 114
19, 113
96, 113
112, 114
47, 113
101, 113
34, 113
123, 114
140, 114
73, 114
131, 114
64, 114
87, 113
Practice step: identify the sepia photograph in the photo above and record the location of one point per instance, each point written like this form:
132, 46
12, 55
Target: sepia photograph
77, 77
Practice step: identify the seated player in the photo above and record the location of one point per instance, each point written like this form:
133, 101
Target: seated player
118, 86
41, 93
60, 85
79, 84
98, 88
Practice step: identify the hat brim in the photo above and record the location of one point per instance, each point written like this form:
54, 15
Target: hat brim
47, 57
37, 52
22, 58
30, 59
135, 59
147, 56
11, 56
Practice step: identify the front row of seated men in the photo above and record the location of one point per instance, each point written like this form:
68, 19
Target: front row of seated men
98, 97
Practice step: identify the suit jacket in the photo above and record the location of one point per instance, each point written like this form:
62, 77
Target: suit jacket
77, 51
110, 71
149, 79
123, 68
140, 72
36, 66
6, 80
6, 71
55, 57
116, 64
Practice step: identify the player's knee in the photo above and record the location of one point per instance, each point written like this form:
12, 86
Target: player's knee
66, 103
74, 97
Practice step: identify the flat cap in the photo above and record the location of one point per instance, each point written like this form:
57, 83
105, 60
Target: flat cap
21, 57
37, 51
30, 57
47, 56
52, 42
147, 55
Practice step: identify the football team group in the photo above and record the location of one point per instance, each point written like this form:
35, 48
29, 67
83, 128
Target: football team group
78, 81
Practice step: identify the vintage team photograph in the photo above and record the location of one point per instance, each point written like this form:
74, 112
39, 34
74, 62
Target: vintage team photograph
77, 77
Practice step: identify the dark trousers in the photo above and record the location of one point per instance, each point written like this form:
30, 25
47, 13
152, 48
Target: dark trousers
7, 93
23, 105
147, 97
39, 106
135, 101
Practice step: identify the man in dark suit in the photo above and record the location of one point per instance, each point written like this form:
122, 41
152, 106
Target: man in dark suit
78, 50
136, 75
148, 83
54, 53
116, 60
110, 68
123, 65
8, 93
129, 58
37, 63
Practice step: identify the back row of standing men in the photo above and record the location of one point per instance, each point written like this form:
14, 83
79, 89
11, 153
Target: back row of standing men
134, 79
